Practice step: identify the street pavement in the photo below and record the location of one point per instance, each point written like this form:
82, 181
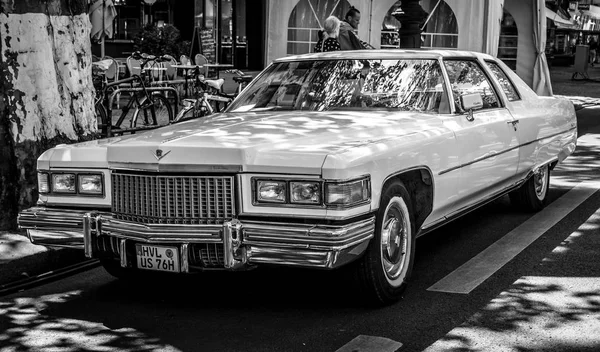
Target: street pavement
556, 306
553, 299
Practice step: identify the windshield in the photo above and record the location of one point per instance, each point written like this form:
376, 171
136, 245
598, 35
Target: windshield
408, 85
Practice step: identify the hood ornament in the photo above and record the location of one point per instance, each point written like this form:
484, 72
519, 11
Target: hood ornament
159, 154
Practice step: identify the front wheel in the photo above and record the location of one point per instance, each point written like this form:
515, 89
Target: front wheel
101, 118
158, 113
533, 194
387, 264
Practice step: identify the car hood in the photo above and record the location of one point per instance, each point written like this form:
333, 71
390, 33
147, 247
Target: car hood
291, 142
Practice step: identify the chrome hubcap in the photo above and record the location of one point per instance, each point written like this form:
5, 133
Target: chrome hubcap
540, 181
394, 242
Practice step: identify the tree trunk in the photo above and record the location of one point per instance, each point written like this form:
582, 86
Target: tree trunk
46, 92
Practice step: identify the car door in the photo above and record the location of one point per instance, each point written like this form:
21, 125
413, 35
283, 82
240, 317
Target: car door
487, 137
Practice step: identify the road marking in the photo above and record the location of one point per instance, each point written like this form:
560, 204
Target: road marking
471, 274
538, 307
364, 343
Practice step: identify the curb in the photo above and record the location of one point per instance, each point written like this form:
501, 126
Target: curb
19, 258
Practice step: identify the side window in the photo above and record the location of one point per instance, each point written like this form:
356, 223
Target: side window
467, 77
505, 83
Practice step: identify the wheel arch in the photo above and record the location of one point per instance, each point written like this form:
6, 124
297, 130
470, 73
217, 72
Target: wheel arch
419, 184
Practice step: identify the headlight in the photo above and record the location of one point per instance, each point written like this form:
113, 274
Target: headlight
348, 193
306, 192
43, 183
63, 183
90, 184
271, 191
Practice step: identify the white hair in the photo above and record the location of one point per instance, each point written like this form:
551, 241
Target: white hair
331, 27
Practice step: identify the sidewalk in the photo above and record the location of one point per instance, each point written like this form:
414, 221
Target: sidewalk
581, 92
19, 258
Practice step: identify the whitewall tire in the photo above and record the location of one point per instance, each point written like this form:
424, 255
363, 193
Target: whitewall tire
387, 264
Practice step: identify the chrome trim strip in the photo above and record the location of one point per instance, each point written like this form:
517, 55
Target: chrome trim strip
305, 257
227, 246
59, 239
156, 233
155, 167
56, 219
305, 216
87, 235
308, 236
302, 258
53, 203
184, 255
491, 155
414, 168
469, 208
123, 252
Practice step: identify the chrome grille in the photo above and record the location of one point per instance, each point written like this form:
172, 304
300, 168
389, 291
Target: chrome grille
108, 245
207, 255
166, 199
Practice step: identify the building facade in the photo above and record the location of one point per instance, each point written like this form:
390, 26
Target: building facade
252, 33
503, 28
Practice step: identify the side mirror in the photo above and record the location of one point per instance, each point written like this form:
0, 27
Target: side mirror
471, 101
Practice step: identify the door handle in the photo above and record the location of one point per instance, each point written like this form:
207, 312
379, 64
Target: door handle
514, 123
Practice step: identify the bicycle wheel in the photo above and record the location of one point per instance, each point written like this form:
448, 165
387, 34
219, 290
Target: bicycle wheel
101, 118
159, 113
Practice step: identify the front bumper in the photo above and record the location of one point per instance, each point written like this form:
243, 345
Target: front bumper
244, 244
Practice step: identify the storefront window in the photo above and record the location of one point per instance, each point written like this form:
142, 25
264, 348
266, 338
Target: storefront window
389, 30
441, 31
307, 19
205, 13
133, 15
509, 41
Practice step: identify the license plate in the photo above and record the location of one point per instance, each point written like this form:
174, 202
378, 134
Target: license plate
157, 258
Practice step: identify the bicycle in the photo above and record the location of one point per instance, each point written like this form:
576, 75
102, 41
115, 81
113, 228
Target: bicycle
147, 108
209, 96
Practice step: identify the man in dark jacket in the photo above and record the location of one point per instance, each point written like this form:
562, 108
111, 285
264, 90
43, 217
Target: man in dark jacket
348, 40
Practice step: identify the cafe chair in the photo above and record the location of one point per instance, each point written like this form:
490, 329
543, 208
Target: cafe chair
201, 60
185, 60
112, 75
133, 66
171, 71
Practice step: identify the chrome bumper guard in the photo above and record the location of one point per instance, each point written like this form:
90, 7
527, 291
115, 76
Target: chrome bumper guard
245, 244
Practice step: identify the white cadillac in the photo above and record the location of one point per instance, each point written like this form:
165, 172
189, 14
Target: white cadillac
324, 160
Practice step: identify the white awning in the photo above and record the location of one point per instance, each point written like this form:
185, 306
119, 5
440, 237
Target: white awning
593, 12
557, 19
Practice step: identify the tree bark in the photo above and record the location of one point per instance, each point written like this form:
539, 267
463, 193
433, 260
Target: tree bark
46, 92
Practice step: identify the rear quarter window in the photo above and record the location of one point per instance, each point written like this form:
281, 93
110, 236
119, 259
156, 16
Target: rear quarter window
505, 83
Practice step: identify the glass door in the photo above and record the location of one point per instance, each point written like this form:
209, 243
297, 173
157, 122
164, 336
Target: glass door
226, 32
226, 19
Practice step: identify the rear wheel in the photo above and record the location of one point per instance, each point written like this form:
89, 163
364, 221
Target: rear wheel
101, 118
533, 194
158, 113
387, 264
